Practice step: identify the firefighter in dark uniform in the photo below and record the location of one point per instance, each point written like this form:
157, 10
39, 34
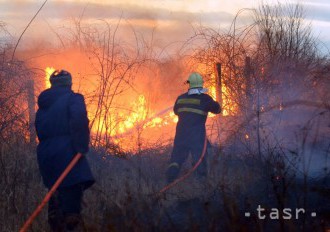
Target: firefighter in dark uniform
192, 108
62, 129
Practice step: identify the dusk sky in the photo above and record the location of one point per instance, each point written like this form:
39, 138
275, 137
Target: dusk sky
171, 19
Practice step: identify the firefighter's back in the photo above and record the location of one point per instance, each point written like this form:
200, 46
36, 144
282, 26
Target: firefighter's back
192, 110
56, 146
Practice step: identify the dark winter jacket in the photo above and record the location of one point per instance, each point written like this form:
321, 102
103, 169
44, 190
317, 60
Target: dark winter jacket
62, 129
192, 111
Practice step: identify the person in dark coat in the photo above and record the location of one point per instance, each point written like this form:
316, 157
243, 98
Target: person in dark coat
192, 108
62, 129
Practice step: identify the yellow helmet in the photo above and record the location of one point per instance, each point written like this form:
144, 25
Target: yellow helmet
195, 80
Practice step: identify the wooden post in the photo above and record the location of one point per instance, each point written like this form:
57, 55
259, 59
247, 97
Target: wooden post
31, 106
218, 83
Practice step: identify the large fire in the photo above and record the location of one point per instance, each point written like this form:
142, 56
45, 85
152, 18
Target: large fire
138, 116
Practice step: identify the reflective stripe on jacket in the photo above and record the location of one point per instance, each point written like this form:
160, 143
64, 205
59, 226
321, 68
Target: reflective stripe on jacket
192, 111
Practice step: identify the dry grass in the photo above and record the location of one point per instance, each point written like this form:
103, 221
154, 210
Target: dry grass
124, 196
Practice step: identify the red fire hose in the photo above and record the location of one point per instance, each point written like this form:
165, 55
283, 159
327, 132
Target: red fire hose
167, 187
73, 163
50, 193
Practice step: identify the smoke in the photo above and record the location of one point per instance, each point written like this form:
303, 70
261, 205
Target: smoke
52, 41
158, 82
166, 24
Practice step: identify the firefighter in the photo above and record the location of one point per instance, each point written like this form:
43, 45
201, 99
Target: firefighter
62, 129
192, 108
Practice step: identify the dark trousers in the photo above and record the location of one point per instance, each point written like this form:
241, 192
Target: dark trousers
180, 154
64, 208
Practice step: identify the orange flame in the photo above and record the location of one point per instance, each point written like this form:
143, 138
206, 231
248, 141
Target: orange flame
139, 118
48, 72
229, 107
127, 123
